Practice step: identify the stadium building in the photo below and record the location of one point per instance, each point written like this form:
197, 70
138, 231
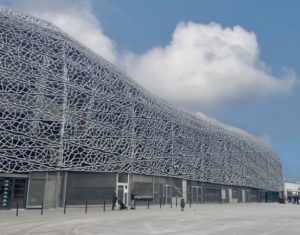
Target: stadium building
74, 129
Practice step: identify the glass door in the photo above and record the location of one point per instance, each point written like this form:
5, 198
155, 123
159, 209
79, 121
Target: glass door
167, 194
196, 194
122, 192
19, 193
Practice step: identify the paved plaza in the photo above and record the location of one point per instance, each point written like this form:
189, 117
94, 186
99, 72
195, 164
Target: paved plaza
199, 219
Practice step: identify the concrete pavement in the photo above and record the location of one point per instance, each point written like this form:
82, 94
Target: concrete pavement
200, 219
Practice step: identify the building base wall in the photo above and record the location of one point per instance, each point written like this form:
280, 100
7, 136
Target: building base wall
55, 189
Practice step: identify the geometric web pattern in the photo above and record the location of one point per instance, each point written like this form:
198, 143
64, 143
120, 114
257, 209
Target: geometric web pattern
62, 107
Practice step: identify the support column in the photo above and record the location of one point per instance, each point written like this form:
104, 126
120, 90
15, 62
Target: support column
243, 196
230, 195
184, 190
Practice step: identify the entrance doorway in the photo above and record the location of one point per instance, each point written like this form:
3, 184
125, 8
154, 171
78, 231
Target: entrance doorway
167, 194
196, 194
122, 192
12, 192
19, 193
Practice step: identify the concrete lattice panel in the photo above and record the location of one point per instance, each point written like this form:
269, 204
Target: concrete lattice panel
62, 107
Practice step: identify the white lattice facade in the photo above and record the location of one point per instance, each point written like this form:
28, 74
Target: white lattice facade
64, 108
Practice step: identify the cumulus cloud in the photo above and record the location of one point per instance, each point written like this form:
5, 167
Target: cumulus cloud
85, 29
76, 19
202, 66
206, 65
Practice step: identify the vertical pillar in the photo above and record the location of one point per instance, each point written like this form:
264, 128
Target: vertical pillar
64, 197
202, 194
130, 187
46, 185
230, 195
58, 188
243, 196
184, 190
223, 195
27, 192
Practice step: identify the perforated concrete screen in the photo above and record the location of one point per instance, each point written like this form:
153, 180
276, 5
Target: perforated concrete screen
62, 107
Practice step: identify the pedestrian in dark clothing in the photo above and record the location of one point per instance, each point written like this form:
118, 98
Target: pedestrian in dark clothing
182, 204
114, 200
132, 198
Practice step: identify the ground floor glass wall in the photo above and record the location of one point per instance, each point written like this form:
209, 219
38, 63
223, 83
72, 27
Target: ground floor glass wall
93, 188
12, 192
156, 189
54, 189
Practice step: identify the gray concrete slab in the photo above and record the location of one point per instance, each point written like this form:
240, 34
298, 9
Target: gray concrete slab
210, 219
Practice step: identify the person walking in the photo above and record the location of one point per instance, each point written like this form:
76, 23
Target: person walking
182, 204
114, 200
132, 199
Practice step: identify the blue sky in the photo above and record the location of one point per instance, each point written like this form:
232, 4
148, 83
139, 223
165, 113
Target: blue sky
265, 35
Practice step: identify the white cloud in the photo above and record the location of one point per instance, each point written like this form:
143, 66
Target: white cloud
206, 65
76, 19
202, 66
85, 29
